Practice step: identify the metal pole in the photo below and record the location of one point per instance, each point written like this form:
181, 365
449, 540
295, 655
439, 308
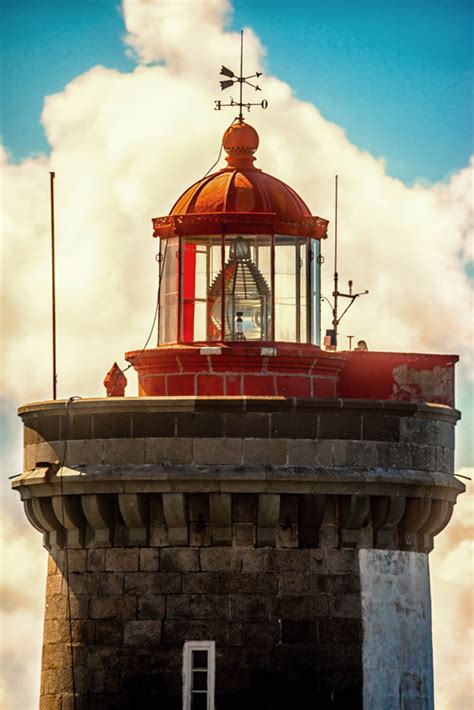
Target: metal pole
241, 71
53, 282
336, 276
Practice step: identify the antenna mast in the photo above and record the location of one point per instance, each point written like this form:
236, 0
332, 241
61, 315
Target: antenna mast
335, 293
336, 319
53, 282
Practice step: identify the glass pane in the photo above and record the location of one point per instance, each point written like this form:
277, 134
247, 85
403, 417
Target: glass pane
315, 290
199, 659
198, 701
199, 680
302, 263
291, 255
245, 285
169, 291
200, 264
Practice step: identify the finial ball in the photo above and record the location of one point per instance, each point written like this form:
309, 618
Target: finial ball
240, 137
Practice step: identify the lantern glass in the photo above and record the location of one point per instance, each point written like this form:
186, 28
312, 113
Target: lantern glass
169, 287
291, 289
239, 288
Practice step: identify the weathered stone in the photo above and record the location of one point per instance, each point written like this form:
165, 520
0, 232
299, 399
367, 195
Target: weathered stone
294, 631
151, 606
168, 450
153, 424
253, 560
339, 631
122, 451
343, 562
199, 508
423, 457
177, 559
220, 559
444, 459
318, 561
110, 583
294, 425
96, 560
217, 451
287, 560
200, 424
302, 606
265, 452
391, 455
255, 634
177, 631
152, 583
229, 582
149, 560
243, 534
355, 454
380, 428
346, 605
197, 606
122, 560
245, 607
76, 560
113, 606
142, 633
244, 508
339, 426
308, 452
86, 452
108, 632
200, 535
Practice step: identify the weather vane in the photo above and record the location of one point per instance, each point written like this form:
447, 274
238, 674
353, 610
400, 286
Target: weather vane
241, 80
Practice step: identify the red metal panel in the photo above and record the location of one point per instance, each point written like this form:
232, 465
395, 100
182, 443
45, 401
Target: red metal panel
210, 385
188, 291
410, 377
293, 386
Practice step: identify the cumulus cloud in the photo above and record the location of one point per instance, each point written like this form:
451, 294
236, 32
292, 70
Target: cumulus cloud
452, 581
125, 145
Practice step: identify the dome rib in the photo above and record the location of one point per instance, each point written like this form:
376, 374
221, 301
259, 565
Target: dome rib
240, 198
230, 183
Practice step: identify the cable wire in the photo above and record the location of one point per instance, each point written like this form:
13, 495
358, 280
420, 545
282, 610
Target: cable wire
62, 463
214, 164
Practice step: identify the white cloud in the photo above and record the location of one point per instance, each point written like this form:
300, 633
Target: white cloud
452, 581
125, 146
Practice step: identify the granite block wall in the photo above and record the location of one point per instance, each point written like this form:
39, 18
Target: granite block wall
286, 622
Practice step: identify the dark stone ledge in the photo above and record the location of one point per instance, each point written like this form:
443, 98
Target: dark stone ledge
226, 417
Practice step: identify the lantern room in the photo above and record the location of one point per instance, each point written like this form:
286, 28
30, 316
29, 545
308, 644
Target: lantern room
240, 256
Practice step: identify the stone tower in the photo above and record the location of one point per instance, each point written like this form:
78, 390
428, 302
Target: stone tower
252, 530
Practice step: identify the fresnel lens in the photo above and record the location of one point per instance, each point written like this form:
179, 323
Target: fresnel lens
247, 297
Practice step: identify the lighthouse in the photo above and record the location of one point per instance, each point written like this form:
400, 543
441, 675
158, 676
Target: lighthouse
252, 529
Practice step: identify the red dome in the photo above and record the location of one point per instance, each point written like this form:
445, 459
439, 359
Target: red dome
240, 198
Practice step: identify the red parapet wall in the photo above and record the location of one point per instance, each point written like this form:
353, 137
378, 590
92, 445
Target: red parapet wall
238, 370
292, 370
402, 377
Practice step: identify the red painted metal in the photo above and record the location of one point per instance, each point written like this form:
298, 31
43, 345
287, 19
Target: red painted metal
240, 199
237, 369
189, 291
115, 382
293, 370
409, 377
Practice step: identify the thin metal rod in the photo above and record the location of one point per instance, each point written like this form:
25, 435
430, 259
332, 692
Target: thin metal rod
241, 116
335, 220
53, 282
336, 276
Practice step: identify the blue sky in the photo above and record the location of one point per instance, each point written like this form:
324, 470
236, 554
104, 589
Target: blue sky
395, 74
